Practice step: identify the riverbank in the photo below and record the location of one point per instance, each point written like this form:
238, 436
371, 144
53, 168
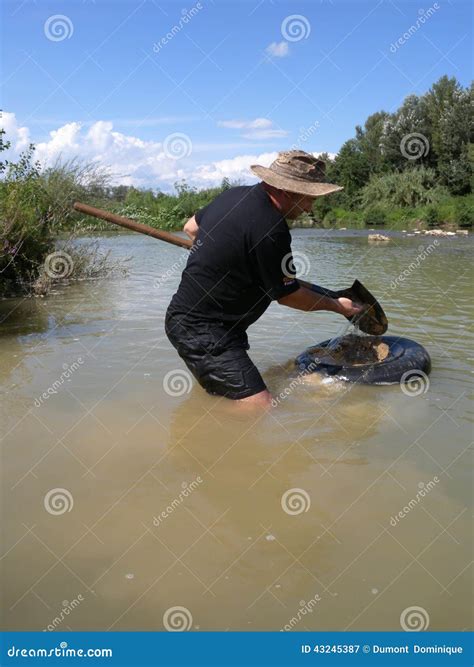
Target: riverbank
450, 213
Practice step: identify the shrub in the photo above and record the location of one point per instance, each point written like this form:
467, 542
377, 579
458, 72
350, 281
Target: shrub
35, 205
375, 215
432, 217
464, 213
330, 218
413, 187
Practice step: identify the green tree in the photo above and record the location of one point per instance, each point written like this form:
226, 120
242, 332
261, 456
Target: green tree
351, 167
448, 108
369, 139
406, 137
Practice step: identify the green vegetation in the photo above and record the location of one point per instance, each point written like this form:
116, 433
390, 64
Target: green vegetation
164, 211
416, 164
35, 211
450, 212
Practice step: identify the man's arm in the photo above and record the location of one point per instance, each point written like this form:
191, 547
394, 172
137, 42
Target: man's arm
272, 254
191, 228
306, 299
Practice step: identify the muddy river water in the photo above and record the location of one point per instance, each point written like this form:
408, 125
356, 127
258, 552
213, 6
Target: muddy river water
133, 500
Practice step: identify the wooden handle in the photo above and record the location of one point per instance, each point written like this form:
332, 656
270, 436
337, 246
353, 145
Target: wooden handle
134, 226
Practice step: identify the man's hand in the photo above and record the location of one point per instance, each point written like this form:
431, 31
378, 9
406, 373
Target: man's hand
348, 308
191, 228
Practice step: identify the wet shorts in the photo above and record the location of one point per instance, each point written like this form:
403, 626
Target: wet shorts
217, 359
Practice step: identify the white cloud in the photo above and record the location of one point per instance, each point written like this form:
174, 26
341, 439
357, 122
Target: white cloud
65, 140
265, 134
259, 128
134, 161
256, 124
19, 137
237, 168
278, 49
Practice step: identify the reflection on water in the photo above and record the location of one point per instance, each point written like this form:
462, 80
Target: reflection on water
141, 496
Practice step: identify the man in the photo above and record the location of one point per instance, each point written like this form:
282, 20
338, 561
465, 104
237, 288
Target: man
241, 262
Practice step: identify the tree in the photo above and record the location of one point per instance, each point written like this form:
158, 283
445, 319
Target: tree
369, 139
405, 140
448, 107
351, 167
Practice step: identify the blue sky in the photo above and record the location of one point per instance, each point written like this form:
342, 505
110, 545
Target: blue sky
233, 81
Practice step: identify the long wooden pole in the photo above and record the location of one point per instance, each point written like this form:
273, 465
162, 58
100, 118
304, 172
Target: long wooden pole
133, 226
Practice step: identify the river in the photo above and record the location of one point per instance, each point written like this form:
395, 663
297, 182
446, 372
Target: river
134, 501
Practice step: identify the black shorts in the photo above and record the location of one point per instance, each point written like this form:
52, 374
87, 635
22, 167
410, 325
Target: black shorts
216, 357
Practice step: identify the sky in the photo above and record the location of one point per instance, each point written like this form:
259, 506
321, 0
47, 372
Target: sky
159, 91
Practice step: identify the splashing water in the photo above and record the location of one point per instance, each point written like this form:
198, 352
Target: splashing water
346, 329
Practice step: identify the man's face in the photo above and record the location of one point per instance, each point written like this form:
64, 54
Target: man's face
297, 204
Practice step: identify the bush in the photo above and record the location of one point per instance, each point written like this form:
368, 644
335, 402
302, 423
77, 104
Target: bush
432, 217
330, 218
413, 187
375, 215
170, 211
464, 213
35, 206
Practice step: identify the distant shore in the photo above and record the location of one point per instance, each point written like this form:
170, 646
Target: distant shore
451, 214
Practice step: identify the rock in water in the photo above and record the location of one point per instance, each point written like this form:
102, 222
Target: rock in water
378, 238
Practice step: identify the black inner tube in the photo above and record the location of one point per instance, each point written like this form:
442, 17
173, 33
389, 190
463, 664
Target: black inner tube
406, 359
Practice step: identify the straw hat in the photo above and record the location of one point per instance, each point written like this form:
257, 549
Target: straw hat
296, 171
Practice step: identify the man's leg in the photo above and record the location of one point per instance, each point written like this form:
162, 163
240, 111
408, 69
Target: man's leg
261, 400
229, 372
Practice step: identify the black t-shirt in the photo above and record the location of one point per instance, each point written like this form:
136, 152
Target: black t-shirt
239, 261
